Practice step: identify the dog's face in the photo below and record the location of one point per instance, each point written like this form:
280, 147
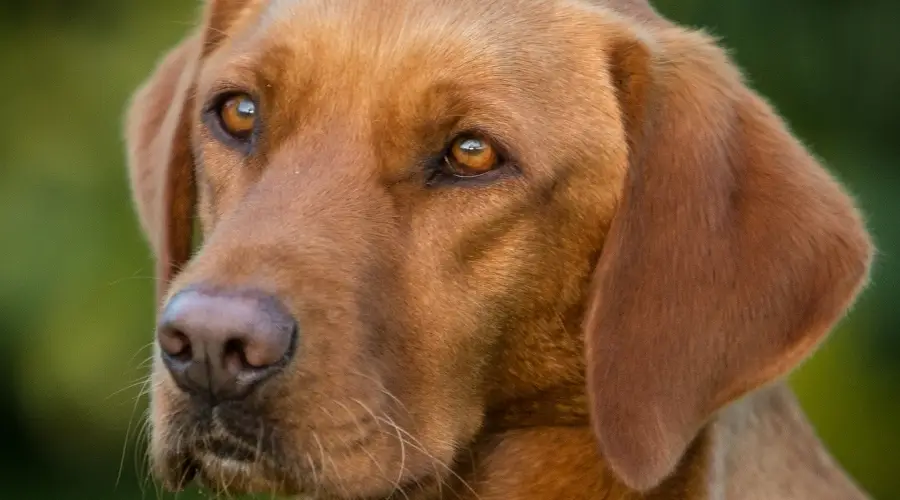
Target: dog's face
420, 191
412, 182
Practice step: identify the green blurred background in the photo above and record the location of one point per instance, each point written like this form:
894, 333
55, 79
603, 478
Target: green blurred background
75, 275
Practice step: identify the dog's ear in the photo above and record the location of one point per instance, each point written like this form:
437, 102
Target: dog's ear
731, 255
158, 138
160, 160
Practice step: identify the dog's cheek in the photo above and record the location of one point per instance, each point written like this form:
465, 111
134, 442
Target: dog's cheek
429, 354
206, 212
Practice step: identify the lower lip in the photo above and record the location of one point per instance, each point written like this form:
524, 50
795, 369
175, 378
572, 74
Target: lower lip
230, 451
182, 475
226, 465
222, 474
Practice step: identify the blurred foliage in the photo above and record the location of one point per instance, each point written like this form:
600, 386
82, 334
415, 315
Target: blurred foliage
76, 277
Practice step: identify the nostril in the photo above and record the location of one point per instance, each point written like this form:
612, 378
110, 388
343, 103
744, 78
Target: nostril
245, 356
175, 344
234, 356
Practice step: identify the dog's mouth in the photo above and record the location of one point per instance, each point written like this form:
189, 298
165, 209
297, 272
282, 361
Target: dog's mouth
228, 467
222, 456
236, 449
226, 458
232, 450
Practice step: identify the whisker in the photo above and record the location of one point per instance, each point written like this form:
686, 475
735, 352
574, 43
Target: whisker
142, 465
137, 383
402, 443
420, 447
140, 349
135, 276
145, 381
396, 483
326, 457
315, 475
384, 390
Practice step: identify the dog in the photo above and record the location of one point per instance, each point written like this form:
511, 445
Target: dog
509, 249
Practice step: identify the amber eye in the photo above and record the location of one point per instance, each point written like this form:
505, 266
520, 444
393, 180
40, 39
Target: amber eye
471, 155
237, 115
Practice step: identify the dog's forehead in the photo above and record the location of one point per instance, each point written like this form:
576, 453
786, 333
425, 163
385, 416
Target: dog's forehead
366, 42
399, 73
403, 20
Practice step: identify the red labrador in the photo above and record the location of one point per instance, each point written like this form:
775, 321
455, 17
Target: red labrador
509, 249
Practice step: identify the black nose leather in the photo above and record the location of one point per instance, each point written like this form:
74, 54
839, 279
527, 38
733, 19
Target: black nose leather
221, 344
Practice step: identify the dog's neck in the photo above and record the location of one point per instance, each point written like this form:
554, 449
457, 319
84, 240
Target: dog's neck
558, 407
767, 449
760, 448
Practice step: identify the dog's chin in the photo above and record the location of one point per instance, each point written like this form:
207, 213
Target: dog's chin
228, 475
232, 449
223, 469
220, 474
234, 470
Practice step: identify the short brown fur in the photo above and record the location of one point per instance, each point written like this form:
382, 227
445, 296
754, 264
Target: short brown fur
611, 323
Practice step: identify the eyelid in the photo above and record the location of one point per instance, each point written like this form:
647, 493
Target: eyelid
221, 90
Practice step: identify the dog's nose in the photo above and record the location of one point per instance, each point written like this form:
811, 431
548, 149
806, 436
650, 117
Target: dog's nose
222, 344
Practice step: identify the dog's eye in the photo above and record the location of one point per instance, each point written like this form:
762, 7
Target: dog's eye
237, 114
471, 155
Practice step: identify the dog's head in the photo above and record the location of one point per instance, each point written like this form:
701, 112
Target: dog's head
415, 214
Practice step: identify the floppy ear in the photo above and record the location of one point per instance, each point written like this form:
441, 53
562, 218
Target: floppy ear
731, 255
160, 161
158, 139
